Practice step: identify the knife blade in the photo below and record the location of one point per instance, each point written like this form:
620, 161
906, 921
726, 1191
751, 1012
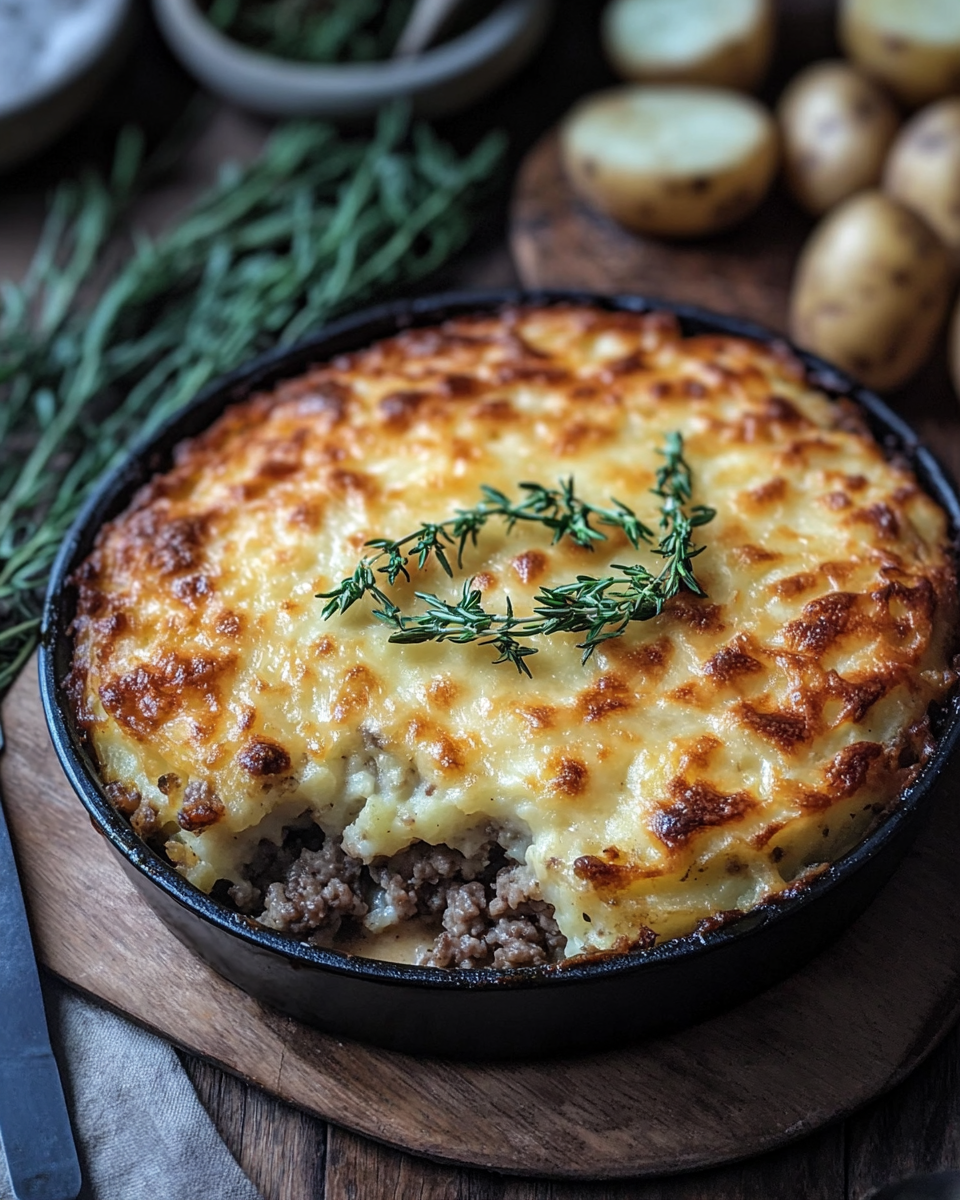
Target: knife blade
35, 1132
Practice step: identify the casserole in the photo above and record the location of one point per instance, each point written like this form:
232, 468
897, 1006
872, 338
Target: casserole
533, 1009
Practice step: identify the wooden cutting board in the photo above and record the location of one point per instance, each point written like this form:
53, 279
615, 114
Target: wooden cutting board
846, 1027
557, 240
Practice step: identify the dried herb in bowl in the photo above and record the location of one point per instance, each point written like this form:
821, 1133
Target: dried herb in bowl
317, 31
316, 224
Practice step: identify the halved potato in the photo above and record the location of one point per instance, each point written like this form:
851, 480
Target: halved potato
677, 161
923, 170
836, 126
722, 42
871, 289
913, 46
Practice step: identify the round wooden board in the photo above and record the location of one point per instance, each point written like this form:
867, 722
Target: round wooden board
559, 241
844, 1028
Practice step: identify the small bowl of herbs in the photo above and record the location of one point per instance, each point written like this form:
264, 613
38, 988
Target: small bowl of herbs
347, 58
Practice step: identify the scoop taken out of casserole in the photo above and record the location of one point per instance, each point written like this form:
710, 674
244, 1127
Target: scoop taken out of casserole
425, 803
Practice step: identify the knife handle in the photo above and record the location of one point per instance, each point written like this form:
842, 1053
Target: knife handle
35, 1131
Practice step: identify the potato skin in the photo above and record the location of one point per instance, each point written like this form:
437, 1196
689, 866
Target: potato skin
871, 289
739, 62
923, 169
836, 126
918, 68
680, 204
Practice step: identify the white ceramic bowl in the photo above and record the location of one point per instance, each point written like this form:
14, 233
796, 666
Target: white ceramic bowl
440, 80
76, 55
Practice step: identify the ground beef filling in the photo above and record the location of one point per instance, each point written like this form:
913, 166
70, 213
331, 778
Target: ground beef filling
488, 911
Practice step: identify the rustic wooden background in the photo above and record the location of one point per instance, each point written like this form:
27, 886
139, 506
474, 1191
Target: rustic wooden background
289, 1155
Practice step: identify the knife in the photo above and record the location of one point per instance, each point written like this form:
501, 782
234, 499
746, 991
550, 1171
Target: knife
35, 1132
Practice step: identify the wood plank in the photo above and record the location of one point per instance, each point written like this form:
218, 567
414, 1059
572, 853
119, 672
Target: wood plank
282, 1150
915, 1129
696, 1098
356, 1167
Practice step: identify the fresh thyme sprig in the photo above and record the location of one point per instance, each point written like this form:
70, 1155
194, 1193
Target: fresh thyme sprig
560, 509
315, 225
602, 608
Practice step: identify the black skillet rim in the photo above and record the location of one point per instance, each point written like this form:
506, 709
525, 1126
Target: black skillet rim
115, 489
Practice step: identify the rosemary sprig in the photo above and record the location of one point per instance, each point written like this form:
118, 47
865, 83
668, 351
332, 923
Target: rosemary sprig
315, 225
602, 608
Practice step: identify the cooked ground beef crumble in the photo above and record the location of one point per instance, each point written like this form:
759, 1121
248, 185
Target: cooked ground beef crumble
488, 910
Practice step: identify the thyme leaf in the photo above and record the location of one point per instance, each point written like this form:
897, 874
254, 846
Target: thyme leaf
601, 608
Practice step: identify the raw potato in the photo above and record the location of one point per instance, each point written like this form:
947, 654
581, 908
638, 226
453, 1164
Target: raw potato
675, 161
913, 46
923, 170
723, 42
836, 126
871, 290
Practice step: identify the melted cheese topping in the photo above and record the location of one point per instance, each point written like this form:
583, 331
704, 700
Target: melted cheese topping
701, 763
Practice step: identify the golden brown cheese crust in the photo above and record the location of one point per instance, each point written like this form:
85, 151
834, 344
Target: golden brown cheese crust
697, 765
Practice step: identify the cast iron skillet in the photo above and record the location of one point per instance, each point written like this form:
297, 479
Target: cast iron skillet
481, 1013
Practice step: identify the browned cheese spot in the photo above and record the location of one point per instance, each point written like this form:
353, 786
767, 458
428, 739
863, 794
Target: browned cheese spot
858, 697
883, 519
324, 646
355, 692
847, 771
748, 555
124, 798
144, 699
769, 492
696, 806
305, 516
145, 821
836, 501
697, 614
315, 396
529, 565
784, 729
483, 581
783, 411
345, 483
399, 409
497, 408
538, 716
228, 624
608, 695
699, 752
602, 874
794, 585
192, 589
823, 621
730, 662
201, 807
264, 757
443, 691
171, 545
568, 776
168, 783
649, 658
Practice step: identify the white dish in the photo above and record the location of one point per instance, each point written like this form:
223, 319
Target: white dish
441, 80
54, 68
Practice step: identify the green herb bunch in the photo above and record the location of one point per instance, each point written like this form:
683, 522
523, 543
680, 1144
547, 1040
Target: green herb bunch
602, 608
320, 31
313, 226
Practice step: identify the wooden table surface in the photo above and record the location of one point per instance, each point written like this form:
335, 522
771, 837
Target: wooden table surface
287, 1154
